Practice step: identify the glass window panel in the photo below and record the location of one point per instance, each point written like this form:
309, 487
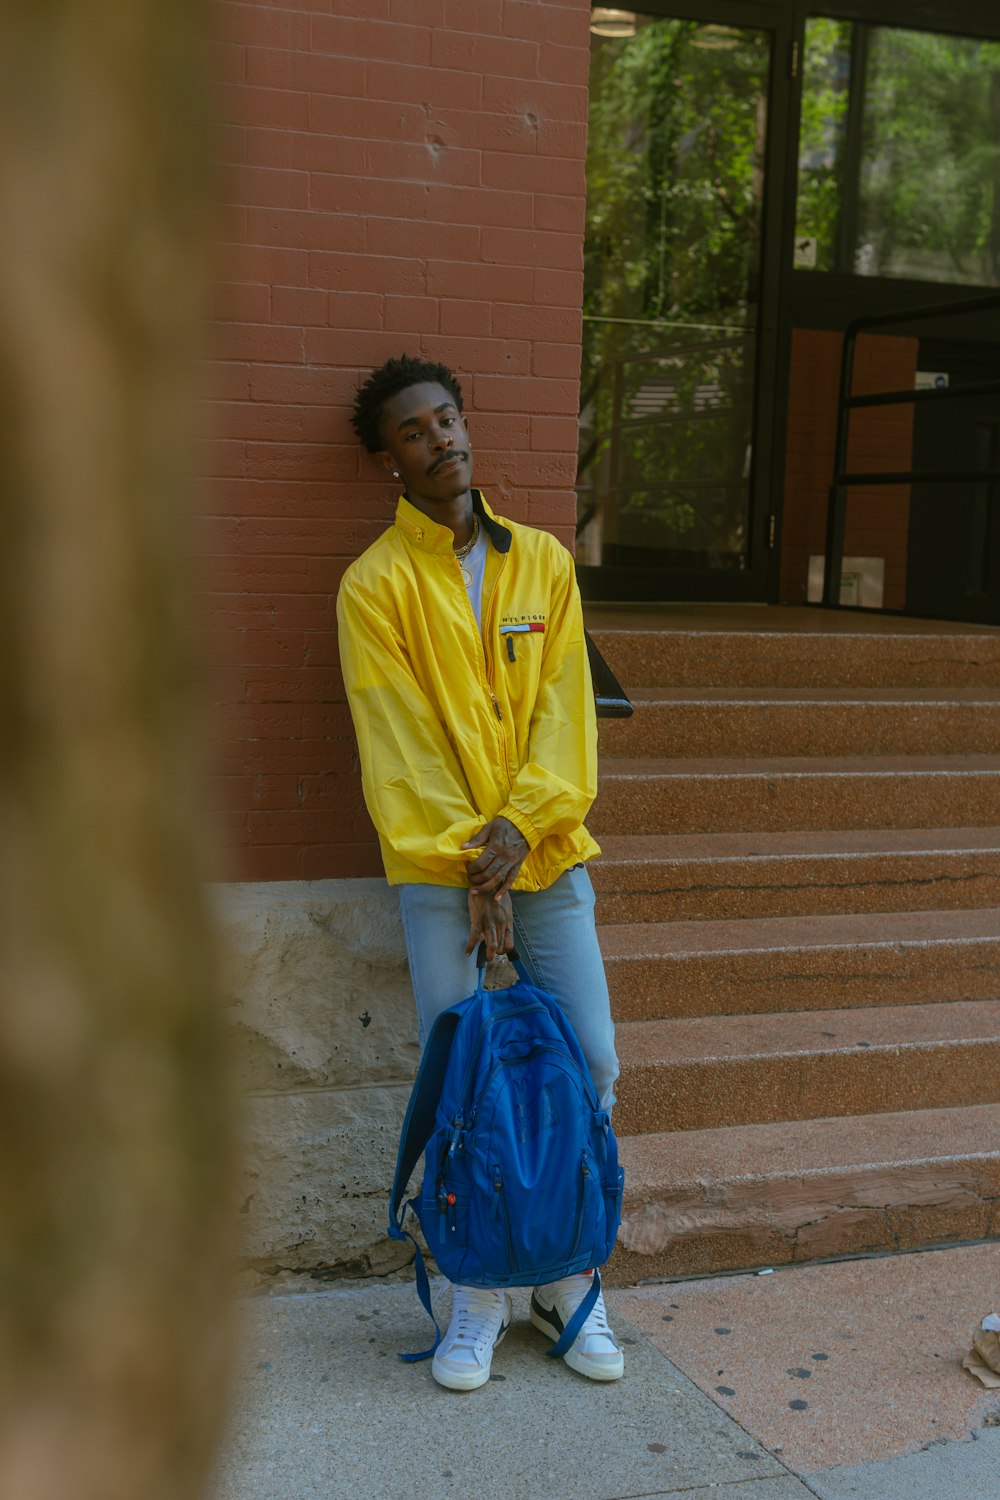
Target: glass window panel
672, 256
899, 154
825, 78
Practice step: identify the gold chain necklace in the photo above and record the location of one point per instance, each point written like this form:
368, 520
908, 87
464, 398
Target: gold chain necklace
462, 552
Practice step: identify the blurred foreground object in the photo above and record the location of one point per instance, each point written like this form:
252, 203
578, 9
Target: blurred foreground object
113, 1137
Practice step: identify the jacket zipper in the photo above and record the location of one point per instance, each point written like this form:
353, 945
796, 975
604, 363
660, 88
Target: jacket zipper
486, 664
488, 605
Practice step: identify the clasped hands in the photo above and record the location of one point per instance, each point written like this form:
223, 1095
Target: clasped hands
491, 875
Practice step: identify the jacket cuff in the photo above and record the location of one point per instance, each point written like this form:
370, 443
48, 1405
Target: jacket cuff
522, 823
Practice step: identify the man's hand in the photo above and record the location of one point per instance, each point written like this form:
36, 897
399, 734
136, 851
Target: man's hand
491, 921
497, 867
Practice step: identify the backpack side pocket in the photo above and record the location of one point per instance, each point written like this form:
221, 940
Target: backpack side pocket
613, 1192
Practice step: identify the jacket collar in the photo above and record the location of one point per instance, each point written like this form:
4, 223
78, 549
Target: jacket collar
433, 537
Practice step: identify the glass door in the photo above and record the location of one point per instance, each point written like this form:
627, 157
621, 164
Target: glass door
898, 213
672, 493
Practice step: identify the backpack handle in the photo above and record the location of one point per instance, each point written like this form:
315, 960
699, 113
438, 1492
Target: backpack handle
513, 957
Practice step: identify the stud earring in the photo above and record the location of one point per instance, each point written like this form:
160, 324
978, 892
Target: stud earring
395, 473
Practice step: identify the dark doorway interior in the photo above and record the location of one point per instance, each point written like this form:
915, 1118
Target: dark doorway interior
953, 555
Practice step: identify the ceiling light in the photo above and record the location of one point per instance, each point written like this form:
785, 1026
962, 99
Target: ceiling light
607, 22
716, 37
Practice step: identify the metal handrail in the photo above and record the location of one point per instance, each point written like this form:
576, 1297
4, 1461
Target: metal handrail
842, 480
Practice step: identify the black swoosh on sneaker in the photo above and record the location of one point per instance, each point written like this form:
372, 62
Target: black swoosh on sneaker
548, 1315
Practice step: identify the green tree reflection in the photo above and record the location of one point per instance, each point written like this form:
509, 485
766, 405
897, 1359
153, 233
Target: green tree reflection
674, 179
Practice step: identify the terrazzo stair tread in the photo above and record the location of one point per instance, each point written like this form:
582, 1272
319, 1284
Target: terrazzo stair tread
684, 1159
691, 1074
810, 694
750, 659
793, 620
798, 765
692, 795
806, 721
710, 876
723, 1199
761, 656
662, 848
769, 619
658, 970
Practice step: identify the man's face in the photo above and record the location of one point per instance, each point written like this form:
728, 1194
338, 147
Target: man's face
427, 441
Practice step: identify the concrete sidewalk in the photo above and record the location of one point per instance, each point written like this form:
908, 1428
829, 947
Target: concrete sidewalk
322, 1406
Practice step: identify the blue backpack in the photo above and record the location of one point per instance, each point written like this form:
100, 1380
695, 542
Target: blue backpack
521, 1178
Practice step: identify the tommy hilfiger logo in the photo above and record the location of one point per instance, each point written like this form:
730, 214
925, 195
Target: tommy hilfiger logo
526, 625
523, 620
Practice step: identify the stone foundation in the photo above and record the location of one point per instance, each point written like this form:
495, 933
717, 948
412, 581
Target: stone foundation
325, 1049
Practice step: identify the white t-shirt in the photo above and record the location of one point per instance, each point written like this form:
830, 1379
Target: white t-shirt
473, 569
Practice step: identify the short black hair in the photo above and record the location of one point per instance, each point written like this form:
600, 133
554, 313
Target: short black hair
387, 381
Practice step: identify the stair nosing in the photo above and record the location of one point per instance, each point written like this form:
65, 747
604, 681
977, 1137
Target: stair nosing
637, 767
718, 928
786, 845
787, 697
849, 1125
880, 1020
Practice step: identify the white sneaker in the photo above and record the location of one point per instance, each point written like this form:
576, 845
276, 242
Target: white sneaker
593, 1352
480, 1316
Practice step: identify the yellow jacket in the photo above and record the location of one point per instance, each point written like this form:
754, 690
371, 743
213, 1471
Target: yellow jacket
452, 731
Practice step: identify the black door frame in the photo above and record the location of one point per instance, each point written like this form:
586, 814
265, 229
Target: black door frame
751, 583
788, 298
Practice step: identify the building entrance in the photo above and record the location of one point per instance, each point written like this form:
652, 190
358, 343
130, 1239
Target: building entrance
760, 175
676, 334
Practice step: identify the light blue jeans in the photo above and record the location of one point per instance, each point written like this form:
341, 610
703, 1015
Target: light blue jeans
555, 937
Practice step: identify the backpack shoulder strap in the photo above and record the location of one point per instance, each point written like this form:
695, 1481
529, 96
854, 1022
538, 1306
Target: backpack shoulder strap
576, 1322
417, 1129
516, 962
418, 1125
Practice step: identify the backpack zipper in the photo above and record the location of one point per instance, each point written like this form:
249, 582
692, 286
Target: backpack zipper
584, 1177
501, 1197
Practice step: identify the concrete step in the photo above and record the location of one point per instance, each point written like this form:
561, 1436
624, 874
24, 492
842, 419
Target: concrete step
709, 877
699, 795
806, 721
764, 654
695, 1074
762, 1195
669, 969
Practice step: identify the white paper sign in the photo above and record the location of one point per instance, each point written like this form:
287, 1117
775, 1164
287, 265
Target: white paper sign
805, 252
930, 380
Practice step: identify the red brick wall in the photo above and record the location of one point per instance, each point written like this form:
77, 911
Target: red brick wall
880, 438
399, 175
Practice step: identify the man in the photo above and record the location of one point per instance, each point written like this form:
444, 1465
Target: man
462, 644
